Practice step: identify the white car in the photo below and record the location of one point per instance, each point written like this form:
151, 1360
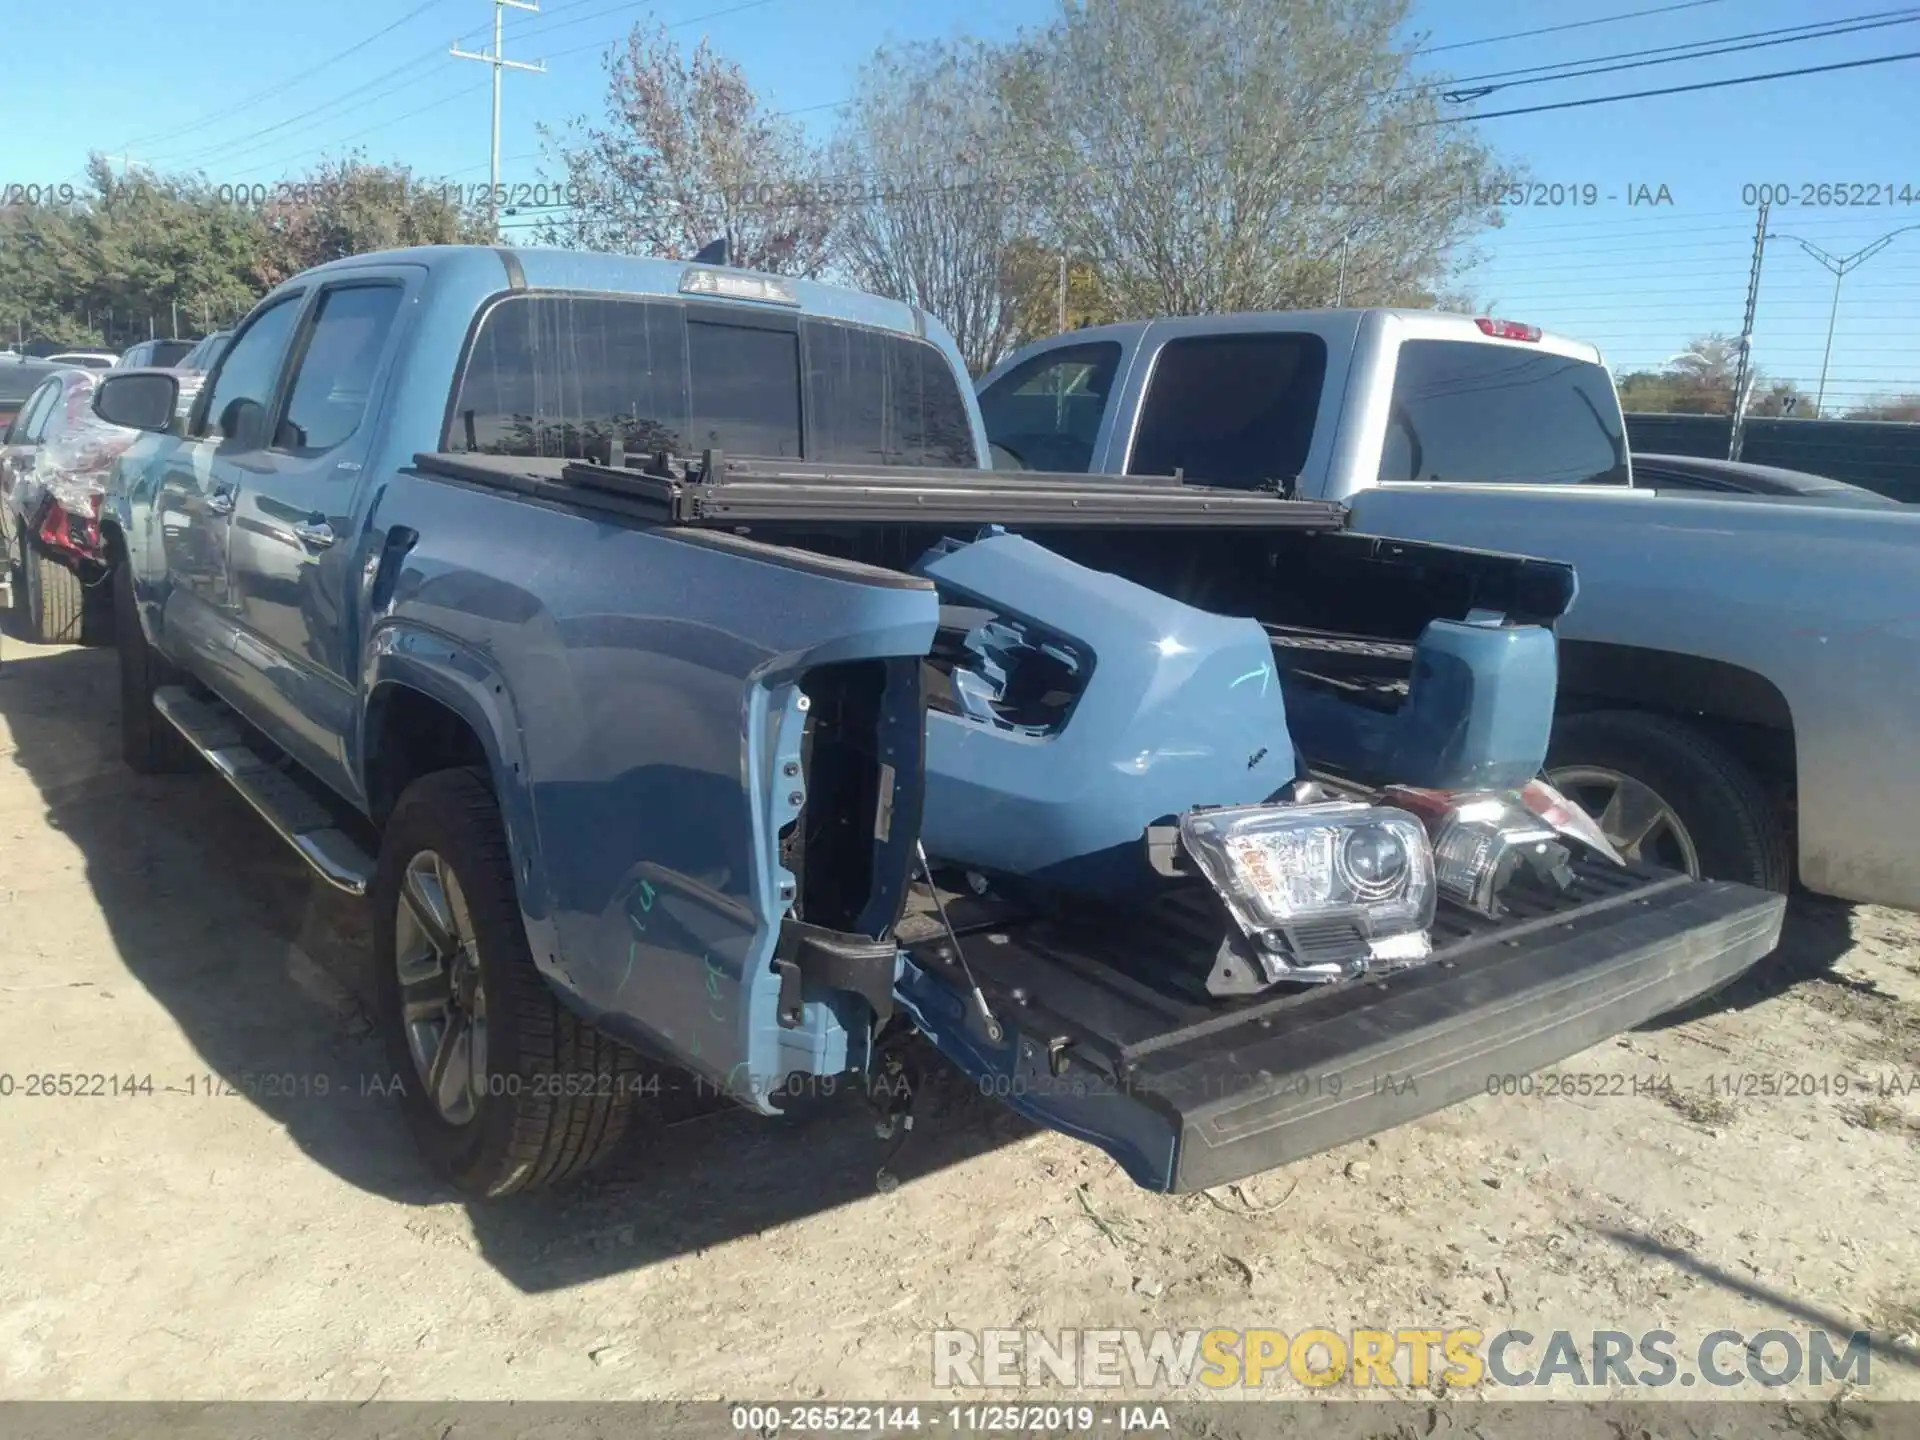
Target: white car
86, 359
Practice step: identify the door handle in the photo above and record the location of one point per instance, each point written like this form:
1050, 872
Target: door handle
220, 502
316, 533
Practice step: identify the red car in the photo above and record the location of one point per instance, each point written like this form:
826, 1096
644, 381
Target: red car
54, 461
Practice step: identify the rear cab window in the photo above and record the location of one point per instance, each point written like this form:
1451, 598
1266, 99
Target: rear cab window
568, 376
1482, 414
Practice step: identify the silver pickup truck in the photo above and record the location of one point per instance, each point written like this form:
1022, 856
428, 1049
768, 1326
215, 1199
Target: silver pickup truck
1739, 677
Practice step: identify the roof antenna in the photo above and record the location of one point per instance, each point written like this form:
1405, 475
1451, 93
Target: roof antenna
714, 252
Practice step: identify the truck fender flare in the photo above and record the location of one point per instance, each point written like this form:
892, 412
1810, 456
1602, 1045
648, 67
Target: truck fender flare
452, 674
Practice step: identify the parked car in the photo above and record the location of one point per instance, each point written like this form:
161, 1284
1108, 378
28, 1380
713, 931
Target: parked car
698, 696
85, 359
54, 459
19, 378
1739, 679
1733, 477
205, 353
150, 353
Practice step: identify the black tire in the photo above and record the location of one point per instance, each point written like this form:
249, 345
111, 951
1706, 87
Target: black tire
56, 600
147, 742
1737, 831
559, 1094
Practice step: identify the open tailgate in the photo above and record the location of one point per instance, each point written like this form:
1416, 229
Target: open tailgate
1188, 1093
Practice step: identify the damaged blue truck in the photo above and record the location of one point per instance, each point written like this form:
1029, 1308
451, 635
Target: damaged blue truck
647, 643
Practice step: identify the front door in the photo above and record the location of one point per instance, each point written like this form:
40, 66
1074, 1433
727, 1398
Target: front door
199, 485
292, 558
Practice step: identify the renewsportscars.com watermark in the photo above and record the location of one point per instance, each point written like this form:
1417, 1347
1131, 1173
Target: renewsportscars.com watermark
1460, 1359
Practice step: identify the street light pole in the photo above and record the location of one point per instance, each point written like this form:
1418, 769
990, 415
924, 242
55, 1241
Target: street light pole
1841, 266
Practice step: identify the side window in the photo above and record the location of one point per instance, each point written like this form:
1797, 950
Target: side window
1046, 412
26, 426
1499, 414
334, 381
236, 411
1232, 410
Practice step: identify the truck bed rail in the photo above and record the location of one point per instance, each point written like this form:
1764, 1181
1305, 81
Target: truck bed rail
720, 491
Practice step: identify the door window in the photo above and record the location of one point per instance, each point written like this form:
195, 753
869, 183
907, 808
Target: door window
1232, 410
1046, 412
31, 423
236, 412
334, 381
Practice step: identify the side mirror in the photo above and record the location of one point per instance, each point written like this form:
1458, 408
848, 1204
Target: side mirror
139, 402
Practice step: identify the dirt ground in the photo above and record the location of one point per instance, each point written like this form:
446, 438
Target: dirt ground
187, 1244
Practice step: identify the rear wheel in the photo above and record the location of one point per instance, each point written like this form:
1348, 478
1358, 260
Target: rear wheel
504, 1088
1668, 794
56, 600
147, 742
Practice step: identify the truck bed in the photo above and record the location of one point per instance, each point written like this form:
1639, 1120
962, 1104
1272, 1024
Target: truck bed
1190, 1091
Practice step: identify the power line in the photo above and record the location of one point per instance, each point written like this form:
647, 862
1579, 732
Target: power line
1673, 89
306, 73
1570, 25
1669, 54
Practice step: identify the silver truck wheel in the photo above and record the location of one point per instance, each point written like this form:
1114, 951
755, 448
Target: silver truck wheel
442, 1000
1668, 793
1632, 814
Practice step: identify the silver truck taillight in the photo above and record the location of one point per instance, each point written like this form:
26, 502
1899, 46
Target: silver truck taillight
1485, 841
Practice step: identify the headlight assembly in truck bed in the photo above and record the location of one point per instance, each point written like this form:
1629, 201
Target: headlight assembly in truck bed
1323, 891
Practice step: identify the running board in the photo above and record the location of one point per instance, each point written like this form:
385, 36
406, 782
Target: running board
302, 821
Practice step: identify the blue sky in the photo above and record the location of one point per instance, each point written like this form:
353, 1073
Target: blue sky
235, 88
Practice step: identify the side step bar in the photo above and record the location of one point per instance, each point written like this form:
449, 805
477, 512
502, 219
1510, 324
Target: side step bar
302, 821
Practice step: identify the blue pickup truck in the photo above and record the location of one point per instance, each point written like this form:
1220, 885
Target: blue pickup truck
645, 641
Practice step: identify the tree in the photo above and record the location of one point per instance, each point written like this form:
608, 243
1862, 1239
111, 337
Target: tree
685, 154
1032, 275
1700, 381
1215, 155
932, 218
1900, 407
348, 207
125, 257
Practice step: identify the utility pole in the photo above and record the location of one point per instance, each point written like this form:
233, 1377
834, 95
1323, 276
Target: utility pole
1841, 266
1062, 322
499, 62
1340, 286
1743, 380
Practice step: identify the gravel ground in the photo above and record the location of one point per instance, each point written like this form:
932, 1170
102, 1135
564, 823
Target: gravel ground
196, 1245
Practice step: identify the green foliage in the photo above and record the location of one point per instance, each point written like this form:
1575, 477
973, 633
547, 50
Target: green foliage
1700, 380
349, 207
132, 252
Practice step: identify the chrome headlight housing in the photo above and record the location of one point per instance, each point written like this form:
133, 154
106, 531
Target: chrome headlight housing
1321, 891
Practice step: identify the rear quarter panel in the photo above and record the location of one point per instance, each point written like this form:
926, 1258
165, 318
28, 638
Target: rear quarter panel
1823, 604
631, 686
